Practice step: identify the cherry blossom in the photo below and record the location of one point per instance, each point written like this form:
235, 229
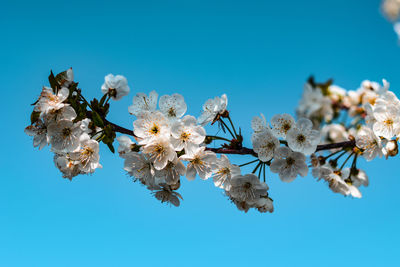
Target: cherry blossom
186, 134
289, 164
143, 103
116, 86
212, 108
302, 138
201, 162
173, 107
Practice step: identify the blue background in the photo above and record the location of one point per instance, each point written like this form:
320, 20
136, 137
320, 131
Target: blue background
260, 54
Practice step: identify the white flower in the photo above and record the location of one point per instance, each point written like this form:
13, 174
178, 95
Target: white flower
387, 122
223, 172
173, 107
88, 127
334, 133
314, 104
116, 86
357, 177
387, 98
303, 138
259, 124
160, 152
150, 126
336, 93
140, 167
172, 172
66, 165
88, 155
126, 146
143, 103
186, 134
337, 185
265, 204
64, 135
201, 162
281, 124
265, 144
391, 148
64, 113
169, 196
212, 108
85, 123
369, 143
369, 118
322, 171
50, 102
39, 132
289, 164
247, 188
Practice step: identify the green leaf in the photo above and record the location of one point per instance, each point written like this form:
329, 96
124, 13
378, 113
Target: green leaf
103, 99
72, 88
53, 83
35, 116
111, 147
94, 104
61, 78
97, 119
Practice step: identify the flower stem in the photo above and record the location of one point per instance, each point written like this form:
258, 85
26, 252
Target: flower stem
264, 172
256, 168
344, 163
259, 172
226, 126
334, 153
233, 127
244, 164
214, 137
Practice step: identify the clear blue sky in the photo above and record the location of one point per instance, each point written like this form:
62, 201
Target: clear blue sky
259, 53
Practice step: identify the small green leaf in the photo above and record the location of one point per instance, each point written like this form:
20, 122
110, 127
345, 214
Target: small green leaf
61, 78
97, 119
103, 99
35, 116
111, 147
94, 104
53, 83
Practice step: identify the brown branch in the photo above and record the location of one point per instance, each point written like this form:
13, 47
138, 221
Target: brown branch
345, 144
120, 129
243, 150
116, 127
248, 151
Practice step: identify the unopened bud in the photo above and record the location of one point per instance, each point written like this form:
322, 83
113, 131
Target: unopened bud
392, 148
314, 160
208, 140
225, 114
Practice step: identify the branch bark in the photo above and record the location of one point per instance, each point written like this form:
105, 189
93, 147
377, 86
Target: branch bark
243, 150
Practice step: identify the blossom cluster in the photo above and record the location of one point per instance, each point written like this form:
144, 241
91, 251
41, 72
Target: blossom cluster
334, 128
166, 138
75, 152
370, 116
299, 139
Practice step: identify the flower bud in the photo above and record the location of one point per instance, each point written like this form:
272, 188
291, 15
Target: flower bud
392, 148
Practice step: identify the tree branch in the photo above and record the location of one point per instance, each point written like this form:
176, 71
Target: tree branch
243, 150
